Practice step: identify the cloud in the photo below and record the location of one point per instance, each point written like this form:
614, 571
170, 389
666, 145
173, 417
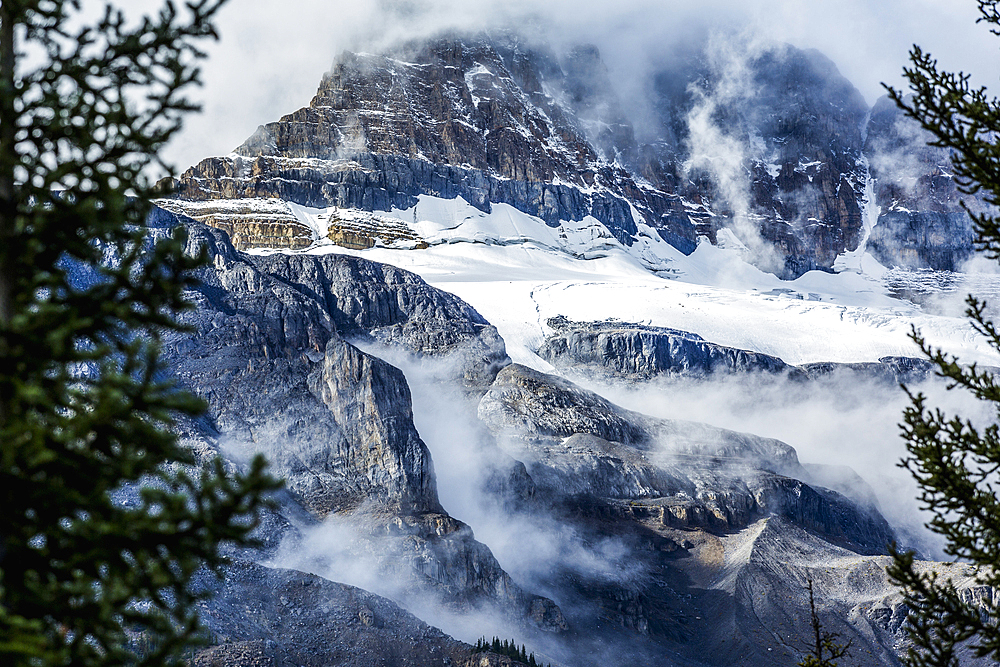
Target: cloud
722, 154
538, 548
840, 420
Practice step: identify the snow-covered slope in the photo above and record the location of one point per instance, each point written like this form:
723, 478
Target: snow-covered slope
518, 272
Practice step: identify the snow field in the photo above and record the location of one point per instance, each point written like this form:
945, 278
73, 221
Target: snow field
518, 272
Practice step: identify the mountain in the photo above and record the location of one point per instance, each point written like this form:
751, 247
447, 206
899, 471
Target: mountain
779, 151
524, 362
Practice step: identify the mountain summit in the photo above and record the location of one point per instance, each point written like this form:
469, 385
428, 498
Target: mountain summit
773, 149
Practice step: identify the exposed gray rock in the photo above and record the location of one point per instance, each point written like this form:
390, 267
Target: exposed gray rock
574, 442
494, 120
264, 355
921, 223
525, 400
763, 617
370, 401
427, 560
805, 178
265, 617
707, 521
638, 352
268, 355
358, 298
888, 370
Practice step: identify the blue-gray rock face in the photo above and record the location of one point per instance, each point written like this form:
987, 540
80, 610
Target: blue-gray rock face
575, 443
708, 522
921, 223
638, 352
267, 617
270, 355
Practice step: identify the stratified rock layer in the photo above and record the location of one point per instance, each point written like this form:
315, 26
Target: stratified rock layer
637, 352
684, 474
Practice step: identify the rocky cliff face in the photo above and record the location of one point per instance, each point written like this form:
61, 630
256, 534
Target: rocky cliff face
270, 357
494, 120
264, 617
697, 521
669, 538
921, 223
635, 352
719, 529
788, 126
686, 475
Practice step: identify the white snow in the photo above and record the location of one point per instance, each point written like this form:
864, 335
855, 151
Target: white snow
518, 272
860, 260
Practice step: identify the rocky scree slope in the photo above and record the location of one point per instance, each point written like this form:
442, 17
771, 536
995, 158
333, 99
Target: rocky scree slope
721, 532
576, 443
493, 119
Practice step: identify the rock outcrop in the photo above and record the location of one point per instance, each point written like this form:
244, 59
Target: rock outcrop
266, 617
794, 124
684, 504
764, 570
921, 223
575, 443
251, 223
640, 352
616, 350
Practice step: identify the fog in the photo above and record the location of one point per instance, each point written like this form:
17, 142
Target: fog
724, 154
839, 421
540, 551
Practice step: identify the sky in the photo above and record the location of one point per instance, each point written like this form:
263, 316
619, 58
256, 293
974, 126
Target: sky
273, 53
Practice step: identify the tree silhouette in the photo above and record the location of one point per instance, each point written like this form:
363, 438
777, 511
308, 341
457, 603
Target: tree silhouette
105, 516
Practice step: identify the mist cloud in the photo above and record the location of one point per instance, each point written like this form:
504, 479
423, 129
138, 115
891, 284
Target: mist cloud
721, 154
839, 420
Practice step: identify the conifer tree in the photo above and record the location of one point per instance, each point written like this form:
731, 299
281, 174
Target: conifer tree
105, 520
954, 461
826, 649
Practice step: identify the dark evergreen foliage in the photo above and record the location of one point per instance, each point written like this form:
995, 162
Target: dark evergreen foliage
105, 517
506, 648
954, 461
